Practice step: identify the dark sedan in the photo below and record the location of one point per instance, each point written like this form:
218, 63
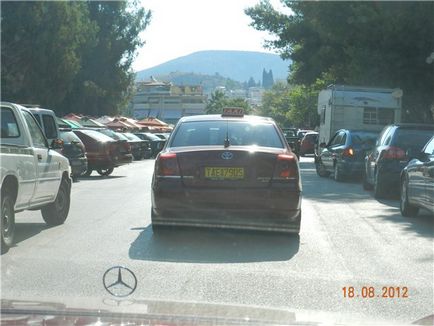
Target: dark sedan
75, 151
344, 155
227, 172
141, 148
156, 142
291, 136
383, 166
103, 152
417, 182
136, 146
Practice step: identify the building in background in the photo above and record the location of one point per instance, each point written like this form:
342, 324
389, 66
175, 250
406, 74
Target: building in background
254, 96
166, 101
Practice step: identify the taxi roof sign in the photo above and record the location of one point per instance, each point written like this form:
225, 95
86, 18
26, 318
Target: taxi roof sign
233, 112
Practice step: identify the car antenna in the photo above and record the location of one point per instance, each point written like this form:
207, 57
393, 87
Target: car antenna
227, 142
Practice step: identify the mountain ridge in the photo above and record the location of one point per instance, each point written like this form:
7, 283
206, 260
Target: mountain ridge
236, 65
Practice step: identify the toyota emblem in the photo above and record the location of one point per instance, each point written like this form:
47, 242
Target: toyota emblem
227, 155
119, 281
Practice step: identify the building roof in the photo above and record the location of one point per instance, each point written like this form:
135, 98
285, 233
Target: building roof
73, 117
152, 122
116, 123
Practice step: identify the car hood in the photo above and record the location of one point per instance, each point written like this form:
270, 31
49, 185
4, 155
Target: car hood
113, 311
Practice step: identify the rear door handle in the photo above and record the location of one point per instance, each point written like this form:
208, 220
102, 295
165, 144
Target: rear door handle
39, 157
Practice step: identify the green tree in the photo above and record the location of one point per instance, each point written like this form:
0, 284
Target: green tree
104, 84
71, 56
219, 101
40, 44
382, 44
275, 103
292, 105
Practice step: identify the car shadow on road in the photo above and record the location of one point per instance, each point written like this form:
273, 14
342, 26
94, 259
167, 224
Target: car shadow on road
327, 190
99, 177
421, 224
24, 231
191, 245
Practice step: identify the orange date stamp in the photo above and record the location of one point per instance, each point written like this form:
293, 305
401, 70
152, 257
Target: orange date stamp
371, 292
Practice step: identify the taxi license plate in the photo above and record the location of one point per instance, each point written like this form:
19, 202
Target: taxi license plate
224, 173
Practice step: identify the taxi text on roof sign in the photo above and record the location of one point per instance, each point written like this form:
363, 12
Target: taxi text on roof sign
233, 112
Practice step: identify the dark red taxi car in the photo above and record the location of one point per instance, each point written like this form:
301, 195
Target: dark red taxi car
227, 171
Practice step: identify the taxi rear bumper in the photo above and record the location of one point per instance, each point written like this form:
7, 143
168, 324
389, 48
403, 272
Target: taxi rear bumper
269, 208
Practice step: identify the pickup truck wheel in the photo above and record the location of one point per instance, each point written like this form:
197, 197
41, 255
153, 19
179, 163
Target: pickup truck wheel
406, 208
7, 223
105, 172
57, 212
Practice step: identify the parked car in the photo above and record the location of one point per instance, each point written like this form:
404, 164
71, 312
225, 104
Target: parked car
103, 152
308, 143
141, 148
417, 182
389, 157
136, 149
157, 143
73, 149
33, 175
344, 154
226, 171
291, 136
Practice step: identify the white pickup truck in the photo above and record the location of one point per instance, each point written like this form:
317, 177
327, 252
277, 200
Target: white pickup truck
33, 175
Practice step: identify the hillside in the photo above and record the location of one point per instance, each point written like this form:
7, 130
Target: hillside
236, 65
208, 82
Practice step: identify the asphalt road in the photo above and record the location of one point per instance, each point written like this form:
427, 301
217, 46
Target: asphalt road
348, 239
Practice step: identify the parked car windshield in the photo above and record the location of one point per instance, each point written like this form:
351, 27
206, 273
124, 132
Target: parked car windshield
113, 134
152, 136
69, 136
131, 136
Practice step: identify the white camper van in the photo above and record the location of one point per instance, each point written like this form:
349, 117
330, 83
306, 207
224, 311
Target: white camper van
357, 108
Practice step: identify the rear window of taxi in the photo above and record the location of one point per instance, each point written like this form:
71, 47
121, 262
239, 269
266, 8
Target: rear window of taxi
239, 133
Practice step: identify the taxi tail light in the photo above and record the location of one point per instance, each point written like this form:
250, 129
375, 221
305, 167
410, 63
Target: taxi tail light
286, 167
348, 152
168, 165
393, 153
